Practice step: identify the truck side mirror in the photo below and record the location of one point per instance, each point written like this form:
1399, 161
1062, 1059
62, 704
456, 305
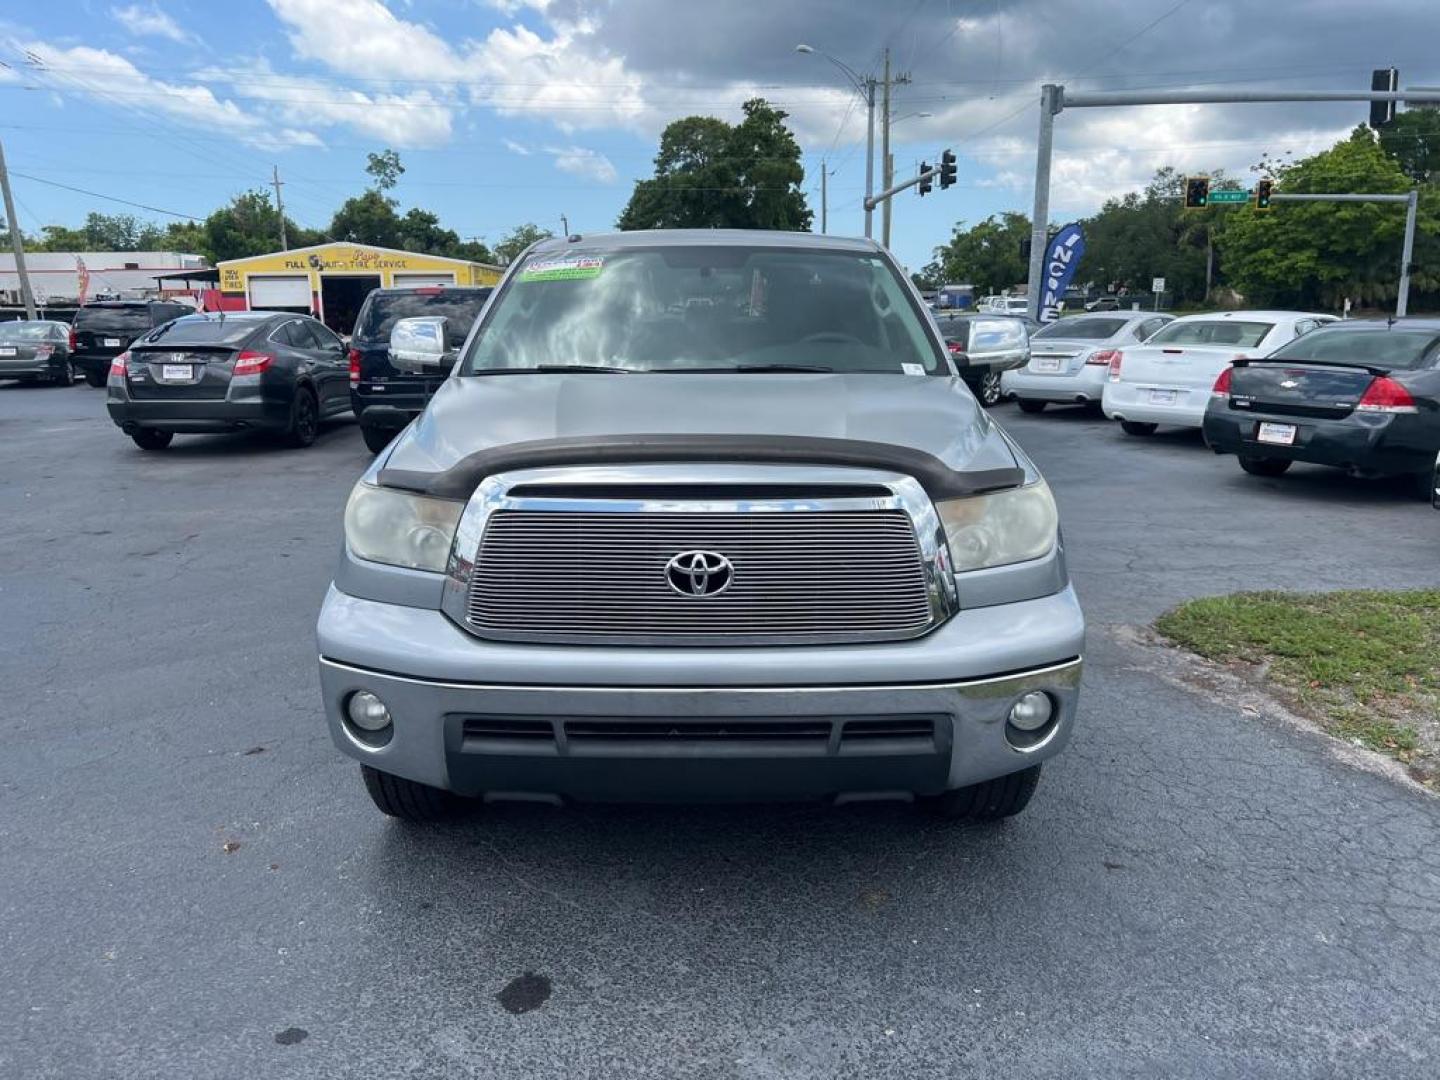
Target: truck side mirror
417, 345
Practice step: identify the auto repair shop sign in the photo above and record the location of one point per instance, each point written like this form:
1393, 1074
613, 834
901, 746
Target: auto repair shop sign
1062, 256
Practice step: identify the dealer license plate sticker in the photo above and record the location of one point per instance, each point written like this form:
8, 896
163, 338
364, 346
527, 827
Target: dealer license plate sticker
1162, 397
1279, 434
176, 372
1047, 363
7, 352
112, 343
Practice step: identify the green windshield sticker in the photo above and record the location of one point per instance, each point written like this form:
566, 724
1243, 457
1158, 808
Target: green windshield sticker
572, 268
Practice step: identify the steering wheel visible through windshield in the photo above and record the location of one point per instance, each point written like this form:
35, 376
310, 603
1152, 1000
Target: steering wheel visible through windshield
719, 308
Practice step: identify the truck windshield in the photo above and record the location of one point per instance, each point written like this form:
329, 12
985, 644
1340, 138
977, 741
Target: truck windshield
713, 308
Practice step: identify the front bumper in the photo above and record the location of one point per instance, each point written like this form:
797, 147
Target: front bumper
1083, 387
456, 692
1143, 404
1364, 443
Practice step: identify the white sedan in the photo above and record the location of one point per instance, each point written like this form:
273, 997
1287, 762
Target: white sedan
1070, 358
1168, 379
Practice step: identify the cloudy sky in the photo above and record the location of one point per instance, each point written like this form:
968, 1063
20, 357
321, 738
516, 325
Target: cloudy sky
521, 110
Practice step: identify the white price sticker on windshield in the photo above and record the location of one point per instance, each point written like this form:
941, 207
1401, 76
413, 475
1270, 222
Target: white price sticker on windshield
565, 268
913, 369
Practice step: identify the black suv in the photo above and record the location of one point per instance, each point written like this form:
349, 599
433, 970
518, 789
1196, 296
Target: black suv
103, 330
385, 398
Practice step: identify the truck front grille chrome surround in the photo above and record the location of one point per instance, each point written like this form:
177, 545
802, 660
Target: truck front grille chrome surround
751, 570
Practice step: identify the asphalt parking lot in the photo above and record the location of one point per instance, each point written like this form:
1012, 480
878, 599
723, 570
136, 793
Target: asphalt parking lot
195, 884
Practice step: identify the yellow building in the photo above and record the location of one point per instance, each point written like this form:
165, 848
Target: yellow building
332, 280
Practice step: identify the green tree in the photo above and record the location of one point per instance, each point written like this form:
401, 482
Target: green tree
1413, 140
1307, 255
368, 218
385, 168
249, 225
986, 255
517, 240
710, 174
1148, 234
420, 230
474, 250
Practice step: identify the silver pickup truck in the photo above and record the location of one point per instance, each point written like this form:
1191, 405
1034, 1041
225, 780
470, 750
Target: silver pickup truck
700, 515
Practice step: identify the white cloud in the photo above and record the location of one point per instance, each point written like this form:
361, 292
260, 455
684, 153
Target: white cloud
149, 22
514, 70
517, 148
112, 80
415, 118
513, 7
582, 161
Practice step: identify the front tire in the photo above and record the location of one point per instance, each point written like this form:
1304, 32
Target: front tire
151, 438
65, 376
1265, 466
1029, 406
96, 377
405, 799
990, 800
1135, 427
304, 419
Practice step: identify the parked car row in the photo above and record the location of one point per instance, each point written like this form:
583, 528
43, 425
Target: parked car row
171, 370
1270, 387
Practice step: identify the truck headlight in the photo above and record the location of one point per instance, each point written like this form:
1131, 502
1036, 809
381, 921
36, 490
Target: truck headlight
1000, 528
401, 529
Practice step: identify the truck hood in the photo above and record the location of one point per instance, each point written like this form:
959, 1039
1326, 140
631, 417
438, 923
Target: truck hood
475, 413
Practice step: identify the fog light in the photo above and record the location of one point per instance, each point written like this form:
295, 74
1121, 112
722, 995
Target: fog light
367, 712
1031, 713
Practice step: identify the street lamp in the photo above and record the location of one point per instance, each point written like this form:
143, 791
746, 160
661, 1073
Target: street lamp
865, 87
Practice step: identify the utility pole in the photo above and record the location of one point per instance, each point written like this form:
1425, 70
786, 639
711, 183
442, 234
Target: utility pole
887, 165
13, 224
565, 225
280, 206
824, 199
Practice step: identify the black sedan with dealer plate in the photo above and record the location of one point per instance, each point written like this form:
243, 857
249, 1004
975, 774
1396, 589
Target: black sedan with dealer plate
265, 370
1361, 396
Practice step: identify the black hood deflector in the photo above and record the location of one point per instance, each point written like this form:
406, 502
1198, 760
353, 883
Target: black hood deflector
938, 479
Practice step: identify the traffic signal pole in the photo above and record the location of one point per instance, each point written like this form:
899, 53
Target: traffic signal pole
880, 196
1407, 246
1054, 100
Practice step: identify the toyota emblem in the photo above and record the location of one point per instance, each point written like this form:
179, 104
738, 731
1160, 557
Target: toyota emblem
699, 573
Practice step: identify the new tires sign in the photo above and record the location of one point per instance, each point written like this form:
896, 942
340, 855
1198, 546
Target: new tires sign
1062, 256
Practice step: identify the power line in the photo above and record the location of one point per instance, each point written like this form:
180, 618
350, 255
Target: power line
110, 198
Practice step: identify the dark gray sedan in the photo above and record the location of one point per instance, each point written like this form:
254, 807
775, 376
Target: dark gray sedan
245, 370
36, 350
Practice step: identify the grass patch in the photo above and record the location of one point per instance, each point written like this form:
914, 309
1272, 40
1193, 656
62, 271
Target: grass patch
1365, 664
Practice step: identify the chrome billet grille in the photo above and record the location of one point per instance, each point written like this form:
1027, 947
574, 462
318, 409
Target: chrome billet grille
798, 576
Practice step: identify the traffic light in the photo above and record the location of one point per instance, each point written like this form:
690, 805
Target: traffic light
1262, 194
924, 187
1197, 192
947, 169
1382, 112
